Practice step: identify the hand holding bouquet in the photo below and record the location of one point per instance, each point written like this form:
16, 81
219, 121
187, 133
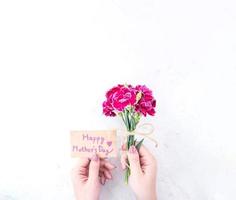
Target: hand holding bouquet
130, 103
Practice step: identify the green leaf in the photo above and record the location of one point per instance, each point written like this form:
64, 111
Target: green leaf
130, 141
126, 115
139, 144
137, 118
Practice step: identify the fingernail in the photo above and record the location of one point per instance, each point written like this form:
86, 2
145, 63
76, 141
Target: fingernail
94, 158
123, 147
132, 149
103, 181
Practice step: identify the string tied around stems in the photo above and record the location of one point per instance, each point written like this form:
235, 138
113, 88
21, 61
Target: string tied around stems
146, 130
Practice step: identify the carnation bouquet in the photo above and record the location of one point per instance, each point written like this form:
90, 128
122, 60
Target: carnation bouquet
130, 103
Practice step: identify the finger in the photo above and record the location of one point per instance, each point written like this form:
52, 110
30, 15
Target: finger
133, 157
80, 169
94, 168
123, 147
107, 174
123, 159
107, 164
103, 179
100, 173
148, 161
146, 155
102, 169
82, 162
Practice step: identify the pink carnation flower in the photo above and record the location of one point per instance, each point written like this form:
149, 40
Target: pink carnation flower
147, 103
118, 98
121, 96
108, 110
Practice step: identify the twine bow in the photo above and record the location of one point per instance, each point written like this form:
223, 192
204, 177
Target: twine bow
146, 130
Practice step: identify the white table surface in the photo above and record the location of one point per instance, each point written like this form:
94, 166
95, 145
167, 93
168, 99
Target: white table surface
57, 59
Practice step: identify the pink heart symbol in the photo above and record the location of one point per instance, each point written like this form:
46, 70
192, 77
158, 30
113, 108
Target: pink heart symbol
109, 143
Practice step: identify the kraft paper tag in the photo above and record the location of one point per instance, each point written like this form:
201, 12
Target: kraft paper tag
87, 143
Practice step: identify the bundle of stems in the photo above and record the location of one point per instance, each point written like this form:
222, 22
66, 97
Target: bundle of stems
130, 119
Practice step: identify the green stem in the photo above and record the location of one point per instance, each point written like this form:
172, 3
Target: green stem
130, 123
127, 174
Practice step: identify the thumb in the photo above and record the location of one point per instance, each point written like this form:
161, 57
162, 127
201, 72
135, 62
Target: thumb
94, 168
133, 158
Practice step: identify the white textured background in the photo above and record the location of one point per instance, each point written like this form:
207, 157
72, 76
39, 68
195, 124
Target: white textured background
57, 59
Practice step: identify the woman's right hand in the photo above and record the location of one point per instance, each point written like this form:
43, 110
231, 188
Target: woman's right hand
143, 172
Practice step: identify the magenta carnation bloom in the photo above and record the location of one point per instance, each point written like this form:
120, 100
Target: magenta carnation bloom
118, 98
147, 103
122, 98
108, 110
113, 90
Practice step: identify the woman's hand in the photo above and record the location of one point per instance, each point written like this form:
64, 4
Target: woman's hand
143, 172
88, 176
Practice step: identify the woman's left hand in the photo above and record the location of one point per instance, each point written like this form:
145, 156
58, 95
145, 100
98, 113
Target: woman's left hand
88, 176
